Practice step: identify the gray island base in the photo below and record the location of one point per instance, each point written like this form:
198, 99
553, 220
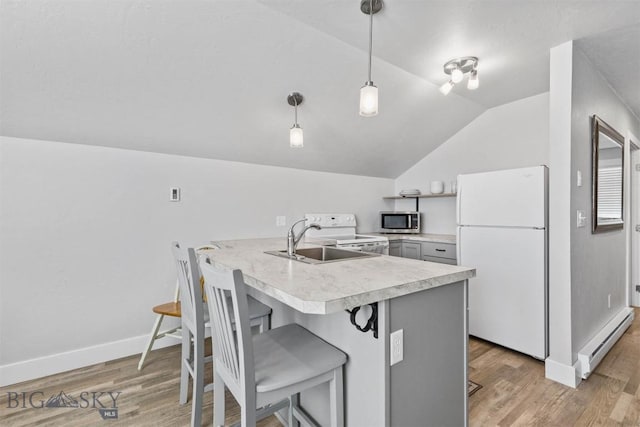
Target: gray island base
428, 301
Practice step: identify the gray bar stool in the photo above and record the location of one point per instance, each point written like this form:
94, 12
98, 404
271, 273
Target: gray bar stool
195, 325
262, 370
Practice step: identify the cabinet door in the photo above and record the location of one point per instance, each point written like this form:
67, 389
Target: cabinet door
412, 250
395, 249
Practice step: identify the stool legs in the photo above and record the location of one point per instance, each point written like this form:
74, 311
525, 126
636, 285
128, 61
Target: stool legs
294, 402
198, 382
185, 359
336, 398
218, 400
152, 338
265, 323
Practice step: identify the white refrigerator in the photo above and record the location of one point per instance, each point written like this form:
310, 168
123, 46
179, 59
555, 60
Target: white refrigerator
502, 232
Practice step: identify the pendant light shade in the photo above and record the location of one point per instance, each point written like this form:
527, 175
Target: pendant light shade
369, 92
446, 88
296, 136
457, 75
368, 100
473, 82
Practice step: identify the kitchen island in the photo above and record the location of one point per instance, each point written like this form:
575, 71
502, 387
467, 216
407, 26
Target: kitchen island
428, 301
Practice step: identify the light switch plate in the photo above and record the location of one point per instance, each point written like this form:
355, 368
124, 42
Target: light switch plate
174, 194
579, 179
581, 219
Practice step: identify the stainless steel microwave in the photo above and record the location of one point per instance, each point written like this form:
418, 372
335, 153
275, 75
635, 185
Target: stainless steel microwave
400, 222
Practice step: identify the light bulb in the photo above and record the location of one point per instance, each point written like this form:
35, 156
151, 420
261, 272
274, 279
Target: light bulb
457, 75
473, 82
368, 100
446, 88
296, 137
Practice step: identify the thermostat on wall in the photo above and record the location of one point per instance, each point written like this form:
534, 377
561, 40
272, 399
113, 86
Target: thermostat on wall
174, 194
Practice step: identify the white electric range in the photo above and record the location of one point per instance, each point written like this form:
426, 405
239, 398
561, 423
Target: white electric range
340, 230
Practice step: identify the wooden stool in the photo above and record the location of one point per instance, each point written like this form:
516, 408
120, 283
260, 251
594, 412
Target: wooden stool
171, 309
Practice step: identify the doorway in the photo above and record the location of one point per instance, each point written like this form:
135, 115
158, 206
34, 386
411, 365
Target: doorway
634, 220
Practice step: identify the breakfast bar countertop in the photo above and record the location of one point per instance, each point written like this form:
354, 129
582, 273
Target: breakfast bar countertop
335, 286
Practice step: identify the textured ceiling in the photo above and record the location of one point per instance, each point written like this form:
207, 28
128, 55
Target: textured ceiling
210, 78
621, 68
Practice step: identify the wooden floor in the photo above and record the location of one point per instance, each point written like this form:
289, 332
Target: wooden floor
514, 392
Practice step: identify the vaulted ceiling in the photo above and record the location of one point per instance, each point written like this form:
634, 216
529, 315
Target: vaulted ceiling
210, 78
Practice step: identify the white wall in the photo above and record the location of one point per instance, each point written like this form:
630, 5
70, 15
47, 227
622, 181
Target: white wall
559, 364
598, 261
509, 136
585, 268
85, 234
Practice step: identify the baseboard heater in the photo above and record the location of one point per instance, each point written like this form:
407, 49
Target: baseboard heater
595, 350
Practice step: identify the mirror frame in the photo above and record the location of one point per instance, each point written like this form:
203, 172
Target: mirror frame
599, 126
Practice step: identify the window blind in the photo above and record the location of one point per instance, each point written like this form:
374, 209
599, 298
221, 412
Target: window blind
610, 192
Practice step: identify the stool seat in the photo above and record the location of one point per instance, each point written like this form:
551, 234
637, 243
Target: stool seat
172, 309
291, 354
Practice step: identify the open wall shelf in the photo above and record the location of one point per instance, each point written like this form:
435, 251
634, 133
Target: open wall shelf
422, 196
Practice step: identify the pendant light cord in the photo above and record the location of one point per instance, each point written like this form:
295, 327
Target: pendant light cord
295, 101
370, 35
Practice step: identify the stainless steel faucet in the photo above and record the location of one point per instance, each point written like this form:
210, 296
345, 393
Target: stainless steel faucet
292, 240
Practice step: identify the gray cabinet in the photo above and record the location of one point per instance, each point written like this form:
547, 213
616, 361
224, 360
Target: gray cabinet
412, 250
395, 248
445, 251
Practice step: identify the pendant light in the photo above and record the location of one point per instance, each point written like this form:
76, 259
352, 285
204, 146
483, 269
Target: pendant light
296, 137
369, 92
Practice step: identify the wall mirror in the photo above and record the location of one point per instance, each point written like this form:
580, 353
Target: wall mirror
607, 176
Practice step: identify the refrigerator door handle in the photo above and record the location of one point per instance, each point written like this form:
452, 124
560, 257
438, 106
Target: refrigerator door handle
458, 244
458, 199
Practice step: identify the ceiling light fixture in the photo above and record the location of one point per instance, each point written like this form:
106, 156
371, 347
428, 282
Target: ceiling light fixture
296, 137
369, 92
457, 68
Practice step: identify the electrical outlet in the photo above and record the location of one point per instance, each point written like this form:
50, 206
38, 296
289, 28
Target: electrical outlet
174, 194
397, 346
281, 221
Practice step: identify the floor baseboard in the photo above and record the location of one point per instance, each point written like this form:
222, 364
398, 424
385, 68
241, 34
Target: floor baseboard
61, 362
561, 373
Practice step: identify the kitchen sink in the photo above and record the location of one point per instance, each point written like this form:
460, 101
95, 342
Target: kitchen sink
323, 255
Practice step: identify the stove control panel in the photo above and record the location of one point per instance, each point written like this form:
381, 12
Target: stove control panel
332, 220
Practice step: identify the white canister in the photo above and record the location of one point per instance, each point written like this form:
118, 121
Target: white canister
437, 187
